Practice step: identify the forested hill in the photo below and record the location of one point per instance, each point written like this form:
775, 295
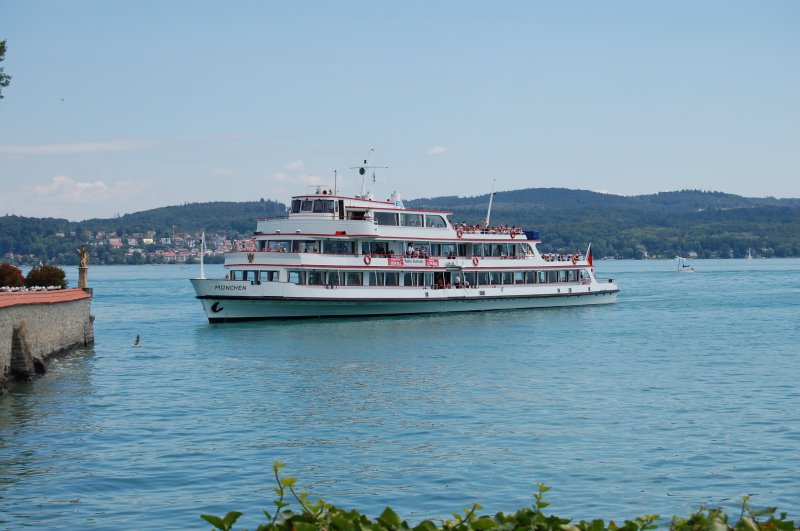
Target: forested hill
218, 216
663, 224
711, 224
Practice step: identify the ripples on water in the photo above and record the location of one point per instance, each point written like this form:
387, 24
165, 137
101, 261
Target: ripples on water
683, 393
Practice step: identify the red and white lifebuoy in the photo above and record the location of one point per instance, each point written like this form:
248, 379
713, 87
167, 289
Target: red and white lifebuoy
460, 233
574, 259
475, 260
513, 234
367, 259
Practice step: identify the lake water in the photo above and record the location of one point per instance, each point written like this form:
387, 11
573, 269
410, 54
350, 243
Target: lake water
685, 392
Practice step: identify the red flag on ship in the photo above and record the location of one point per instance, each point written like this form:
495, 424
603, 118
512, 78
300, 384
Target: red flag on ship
589, 255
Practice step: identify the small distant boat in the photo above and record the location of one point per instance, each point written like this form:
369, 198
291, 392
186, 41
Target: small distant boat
749, 254
683, 266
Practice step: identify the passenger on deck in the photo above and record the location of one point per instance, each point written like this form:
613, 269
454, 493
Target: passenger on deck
410, 250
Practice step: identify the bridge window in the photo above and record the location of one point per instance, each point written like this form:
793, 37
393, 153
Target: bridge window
386, 218
434, 221
411, 220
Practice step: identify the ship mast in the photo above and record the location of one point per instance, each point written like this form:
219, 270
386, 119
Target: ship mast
489, 211
362, 170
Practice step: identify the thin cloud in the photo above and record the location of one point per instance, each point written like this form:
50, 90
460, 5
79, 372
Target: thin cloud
297, 165
81, 148
65, 190
73, 199
437, 150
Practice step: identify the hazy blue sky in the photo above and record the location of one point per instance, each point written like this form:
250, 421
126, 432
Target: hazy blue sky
120, 106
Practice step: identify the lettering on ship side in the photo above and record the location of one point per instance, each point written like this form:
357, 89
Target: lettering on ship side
228, 287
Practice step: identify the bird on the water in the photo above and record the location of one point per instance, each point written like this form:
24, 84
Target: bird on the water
136, 341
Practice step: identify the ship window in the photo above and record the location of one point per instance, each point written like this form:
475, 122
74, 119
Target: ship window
305, 246
236, 274
280, 246
436, 222
307, 206
494, 277
562, 276
572, 275
508, 277
411, 220
337, 247
477, 249
386, 218
323, 205
470, 277
354, 278
333, 278
530, 277
448, 249
519, 277
316, 278
376, 279
542, 277
297, 277
375, 248
552, 277
483, 278
408, 279
267, 276
428, 278
296, 205
392, 279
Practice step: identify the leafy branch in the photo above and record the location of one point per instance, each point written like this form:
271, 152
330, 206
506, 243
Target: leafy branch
322, 516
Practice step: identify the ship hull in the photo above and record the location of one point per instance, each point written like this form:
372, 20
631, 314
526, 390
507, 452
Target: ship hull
258, 302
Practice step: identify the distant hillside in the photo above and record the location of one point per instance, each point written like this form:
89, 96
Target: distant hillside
217, 216
662, 225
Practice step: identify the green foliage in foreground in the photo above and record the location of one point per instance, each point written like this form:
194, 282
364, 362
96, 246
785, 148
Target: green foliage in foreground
320, 515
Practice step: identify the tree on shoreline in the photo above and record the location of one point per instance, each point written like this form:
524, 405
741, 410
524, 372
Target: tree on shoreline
5, 79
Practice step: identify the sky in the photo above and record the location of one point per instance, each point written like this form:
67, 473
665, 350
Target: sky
119, 106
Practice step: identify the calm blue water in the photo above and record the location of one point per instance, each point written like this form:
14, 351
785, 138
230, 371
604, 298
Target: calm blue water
685, 392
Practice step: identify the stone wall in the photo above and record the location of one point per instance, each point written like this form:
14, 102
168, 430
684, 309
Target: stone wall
34, 328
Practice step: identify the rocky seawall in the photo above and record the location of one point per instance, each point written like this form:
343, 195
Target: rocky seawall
37, 326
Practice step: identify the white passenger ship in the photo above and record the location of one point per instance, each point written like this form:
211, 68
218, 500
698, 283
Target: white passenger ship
337, 256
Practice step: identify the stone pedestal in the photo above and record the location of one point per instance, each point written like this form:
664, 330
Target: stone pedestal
83, 277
